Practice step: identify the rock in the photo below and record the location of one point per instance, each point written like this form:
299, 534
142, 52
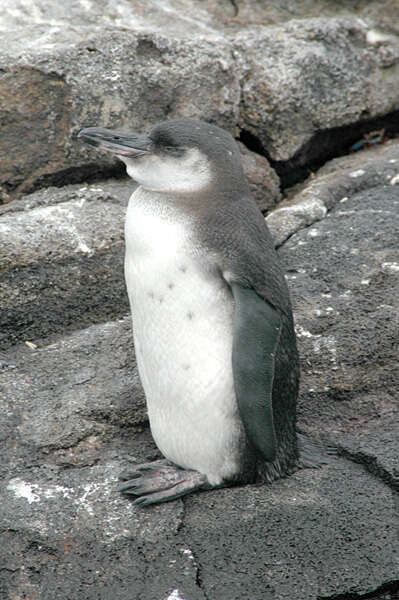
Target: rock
63, 252
310, 536
84, 78
74, 72
344, 276
262, 179
312, 75
376, 447
285, 78
313, 534
336, 182
72, 396
87, 541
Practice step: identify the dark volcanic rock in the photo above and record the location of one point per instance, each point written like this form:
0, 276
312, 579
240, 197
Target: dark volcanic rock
72, 396
344, 275
62, 260
74, 534
300, 538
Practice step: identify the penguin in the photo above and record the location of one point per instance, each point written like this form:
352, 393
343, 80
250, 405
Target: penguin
212, 319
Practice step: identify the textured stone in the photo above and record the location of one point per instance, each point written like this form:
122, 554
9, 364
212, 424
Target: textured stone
312, 75
72, 414
130, 65
310, 536
62, 251
344, 277
116, 78
66, 431
85, 385
313, 535
335, 182
262, 179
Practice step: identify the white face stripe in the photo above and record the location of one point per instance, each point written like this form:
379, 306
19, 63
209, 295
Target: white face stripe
190, 173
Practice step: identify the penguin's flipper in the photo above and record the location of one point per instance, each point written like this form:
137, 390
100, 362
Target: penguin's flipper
257, 326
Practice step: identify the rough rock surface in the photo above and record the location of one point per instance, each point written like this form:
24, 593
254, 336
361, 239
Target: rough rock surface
62, 260
72, 417
284, 73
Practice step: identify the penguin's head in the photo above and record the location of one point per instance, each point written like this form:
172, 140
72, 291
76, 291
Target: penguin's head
178, 156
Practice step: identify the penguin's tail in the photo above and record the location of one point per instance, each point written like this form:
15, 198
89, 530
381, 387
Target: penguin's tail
313, 453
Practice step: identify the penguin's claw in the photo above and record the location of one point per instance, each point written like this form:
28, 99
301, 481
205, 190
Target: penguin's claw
137, 471
159, 482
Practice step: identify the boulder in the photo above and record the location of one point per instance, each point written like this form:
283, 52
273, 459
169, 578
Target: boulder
286, 75
62, 251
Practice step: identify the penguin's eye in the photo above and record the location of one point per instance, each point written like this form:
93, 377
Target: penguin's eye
174, 150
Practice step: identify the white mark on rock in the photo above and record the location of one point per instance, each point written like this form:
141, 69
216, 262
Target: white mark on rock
82, 246
84, 500
393, 160
57, 489
344, 199
187, 552
394, 179
174, 595
328, 343
30, 345
376, 37
313, 232
357, 173
24, 490
390, 266
301, 332
365, 282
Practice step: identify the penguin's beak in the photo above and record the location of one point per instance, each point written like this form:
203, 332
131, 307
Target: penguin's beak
117, 142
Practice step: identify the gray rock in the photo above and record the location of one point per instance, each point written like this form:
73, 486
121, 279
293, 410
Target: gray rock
82, 388
74, 72
376, 447
336, 182
73, 536
72, 412
263, 180
62, 250
344, 276
90, 222
83, 78
314, 534
313, 75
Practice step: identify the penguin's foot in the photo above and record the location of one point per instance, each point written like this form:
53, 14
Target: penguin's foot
159, 481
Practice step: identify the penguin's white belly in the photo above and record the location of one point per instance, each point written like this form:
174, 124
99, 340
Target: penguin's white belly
183, 333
